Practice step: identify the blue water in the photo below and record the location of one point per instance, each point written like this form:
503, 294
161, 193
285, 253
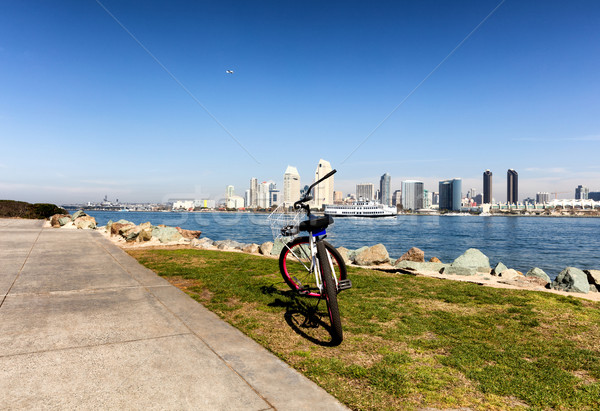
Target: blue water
551, 243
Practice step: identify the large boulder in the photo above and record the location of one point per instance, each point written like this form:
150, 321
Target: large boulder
509, 274
374, 255
139, 233
203, 243
344, 253
593, 277
419, 266
573, 280
538, 273
499, 268
188, 233
166, 234
85, 222
56, 219
77, 214
266, 247
473, 258
229, 245
251, 248
435, 260
353, 253
457, 270
414, 254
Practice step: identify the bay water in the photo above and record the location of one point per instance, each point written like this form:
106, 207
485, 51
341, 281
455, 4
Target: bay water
550, 243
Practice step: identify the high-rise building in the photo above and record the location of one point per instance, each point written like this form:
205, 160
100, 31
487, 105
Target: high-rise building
230, 190
412, 195
323, 192
385, 190
253, 193
338, 197
487, 187
594, 195
397, 197
542, 198
450, 194
582, 193
291, 185
365, 191
512, 187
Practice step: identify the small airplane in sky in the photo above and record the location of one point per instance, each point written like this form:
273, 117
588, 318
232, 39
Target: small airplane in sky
229, 71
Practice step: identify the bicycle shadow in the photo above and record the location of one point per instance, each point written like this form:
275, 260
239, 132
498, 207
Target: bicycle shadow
303, 316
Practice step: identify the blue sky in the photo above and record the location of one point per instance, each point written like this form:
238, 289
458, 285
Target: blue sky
139, 107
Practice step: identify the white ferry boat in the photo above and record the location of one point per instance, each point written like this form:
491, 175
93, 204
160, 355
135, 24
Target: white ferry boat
360, 209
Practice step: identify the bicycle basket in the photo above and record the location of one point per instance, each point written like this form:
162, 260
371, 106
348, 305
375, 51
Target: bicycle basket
284, 222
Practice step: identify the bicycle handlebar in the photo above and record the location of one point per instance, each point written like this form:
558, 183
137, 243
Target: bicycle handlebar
307, 195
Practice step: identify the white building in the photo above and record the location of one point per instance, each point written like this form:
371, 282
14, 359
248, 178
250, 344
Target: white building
291, 185
365, 191
412, 195
229, 191
323, 193
253, 193
236, 202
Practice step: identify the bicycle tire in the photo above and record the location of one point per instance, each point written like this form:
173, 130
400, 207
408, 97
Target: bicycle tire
296, 273
330, 293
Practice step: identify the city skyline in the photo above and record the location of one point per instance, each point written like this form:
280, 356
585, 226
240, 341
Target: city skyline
420, 90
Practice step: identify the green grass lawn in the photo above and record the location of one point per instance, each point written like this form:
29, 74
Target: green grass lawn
409, 342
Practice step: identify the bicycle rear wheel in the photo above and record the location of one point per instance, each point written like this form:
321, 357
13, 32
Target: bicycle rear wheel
330, 293
295, 266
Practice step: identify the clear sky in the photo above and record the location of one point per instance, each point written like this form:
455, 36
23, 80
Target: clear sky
131, 99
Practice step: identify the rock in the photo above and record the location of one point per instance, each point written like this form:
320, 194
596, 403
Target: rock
278, 246
374, 255
120, 228
573, 280
525, 282
140, 233
473, 258
538, 273
456, 270
77, 214
509, 274
85, 222
266, 247
417, 266
435, 260
353, 253
188, 233
594, 288
344, 253
593, 276
251, 248
203, 243
414, 254
165, 234
55, 220
62, 221
228, 245
499, 268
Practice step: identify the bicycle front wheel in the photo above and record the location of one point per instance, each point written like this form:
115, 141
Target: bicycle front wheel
295, 265
330, 293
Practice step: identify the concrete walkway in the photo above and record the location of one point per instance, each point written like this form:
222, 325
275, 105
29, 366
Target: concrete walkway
83, 325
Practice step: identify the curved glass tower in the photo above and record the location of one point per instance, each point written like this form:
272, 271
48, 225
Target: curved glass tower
512, 187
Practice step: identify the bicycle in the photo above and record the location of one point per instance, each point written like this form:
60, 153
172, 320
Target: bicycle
310, 265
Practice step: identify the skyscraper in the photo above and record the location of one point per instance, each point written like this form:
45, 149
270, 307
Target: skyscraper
450, 194
365, 191
512, 187
582, 193
230, 190
487, 187
412, 195
542, 198
385, 189
253, 193
291, 185
323, 193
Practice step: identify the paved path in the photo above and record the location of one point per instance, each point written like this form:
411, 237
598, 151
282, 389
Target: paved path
83, 325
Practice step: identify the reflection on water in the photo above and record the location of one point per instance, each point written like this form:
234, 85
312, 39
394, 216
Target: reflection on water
550, 243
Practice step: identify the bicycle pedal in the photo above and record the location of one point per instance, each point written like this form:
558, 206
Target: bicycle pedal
344, 285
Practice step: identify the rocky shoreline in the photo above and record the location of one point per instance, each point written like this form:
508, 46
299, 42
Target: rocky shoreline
472, 266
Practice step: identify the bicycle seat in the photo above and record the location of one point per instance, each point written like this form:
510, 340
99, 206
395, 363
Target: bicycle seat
316, 224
